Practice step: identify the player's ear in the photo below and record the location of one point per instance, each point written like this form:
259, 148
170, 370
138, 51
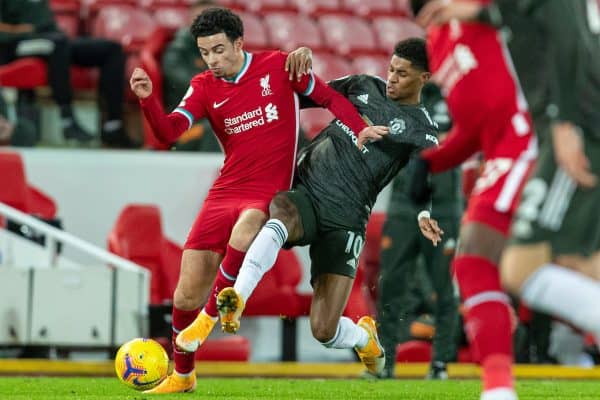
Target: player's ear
425, 76
238, 44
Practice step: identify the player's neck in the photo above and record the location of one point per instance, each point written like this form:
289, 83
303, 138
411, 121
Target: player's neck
238, 65
410, 101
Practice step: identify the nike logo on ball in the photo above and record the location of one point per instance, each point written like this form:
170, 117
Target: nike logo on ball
217, 105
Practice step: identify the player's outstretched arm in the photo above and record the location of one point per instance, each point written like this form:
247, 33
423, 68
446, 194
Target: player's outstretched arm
461, 143
318, 91
167, 128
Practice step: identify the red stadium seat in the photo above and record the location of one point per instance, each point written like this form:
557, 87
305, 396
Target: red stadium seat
91, 8
84, 78
69, 24
347, 35
369, 8
155, 4
391, 30
277, 294
264, 6
414, 351
255, 34
31, 72
318, 7
287, 31
24, 73
138, 236
403, 8
371, 65
65, 6
328, 66
17, 193
313, 120
371, 252
419, 351
172, 17
234, 348
125, 24
67, 14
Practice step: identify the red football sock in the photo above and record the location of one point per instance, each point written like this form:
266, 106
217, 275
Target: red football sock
228, 271
497, 372
184, 362
488, 319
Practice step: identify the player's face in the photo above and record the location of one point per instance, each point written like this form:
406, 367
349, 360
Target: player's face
404, 81
223, 58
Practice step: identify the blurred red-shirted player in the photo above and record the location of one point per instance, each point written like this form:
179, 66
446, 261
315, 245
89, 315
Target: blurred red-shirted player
252, 106
469, 61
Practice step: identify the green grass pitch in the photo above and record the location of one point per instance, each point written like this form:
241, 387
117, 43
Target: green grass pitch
44, 388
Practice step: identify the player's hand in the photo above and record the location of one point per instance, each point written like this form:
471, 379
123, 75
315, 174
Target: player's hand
439, 12
371, 134
430, 229
569, 154
298, 63
140, 83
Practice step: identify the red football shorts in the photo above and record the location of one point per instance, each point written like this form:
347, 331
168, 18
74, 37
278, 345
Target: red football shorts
213, 225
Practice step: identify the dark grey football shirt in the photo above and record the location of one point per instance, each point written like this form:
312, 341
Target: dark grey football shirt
342, 180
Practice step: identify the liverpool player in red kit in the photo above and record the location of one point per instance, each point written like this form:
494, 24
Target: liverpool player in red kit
469, 61
252, 106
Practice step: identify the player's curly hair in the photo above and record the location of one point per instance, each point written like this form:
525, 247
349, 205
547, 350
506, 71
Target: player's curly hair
216, 20
413, 50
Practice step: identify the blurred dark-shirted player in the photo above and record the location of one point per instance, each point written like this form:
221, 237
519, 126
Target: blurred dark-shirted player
402, 247
336, 187
470, 63
252, 106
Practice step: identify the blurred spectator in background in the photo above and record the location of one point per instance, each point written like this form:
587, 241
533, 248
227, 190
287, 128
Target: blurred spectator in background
401, 280
28, 28
19, 133
180, 62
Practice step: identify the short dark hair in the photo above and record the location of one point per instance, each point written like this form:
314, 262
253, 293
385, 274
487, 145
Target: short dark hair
413, 50
217, 20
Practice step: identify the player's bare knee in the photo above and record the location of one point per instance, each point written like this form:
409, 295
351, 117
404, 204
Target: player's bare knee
185, 299
509, 279
481, 241
246, 228
283, 209
520, 262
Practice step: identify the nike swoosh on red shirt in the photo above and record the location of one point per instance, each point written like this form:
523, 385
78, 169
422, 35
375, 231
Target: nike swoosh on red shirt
217, 105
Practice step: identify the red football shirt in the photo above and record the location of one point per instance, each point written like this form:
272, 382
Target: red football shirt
489, 112
255, 117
